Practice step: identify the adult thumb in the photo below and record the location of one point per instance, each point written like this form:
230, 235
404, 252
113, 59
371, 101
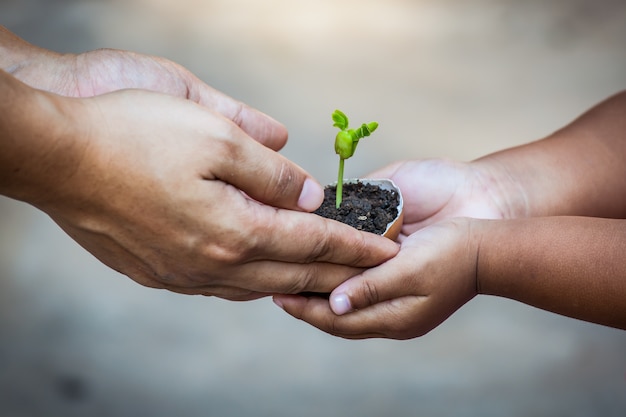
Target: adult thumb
270, 178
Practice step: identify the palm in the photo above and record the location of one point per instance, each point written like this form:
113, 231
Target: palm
438, 189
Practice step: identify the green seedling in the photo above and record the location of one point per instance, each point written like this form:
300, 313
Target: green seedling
345, 144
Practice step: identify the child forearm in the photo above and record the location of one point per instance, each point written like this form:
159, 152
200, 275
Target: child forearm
578, 170
575, 266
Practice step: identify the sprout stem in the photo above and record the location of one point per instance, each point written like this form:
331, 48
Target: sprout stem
339, 195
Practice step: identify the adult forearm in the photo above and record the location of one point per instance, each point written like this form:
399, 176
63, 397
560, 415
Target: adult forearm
573, 266
34, 140
579, 170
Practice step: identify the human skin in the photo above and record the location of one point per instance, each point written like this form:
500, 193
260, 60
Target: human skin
175, 190
541, 223
106, 70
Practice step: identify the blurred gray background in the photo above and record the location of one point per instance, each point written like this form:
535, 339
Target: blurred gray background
456, 79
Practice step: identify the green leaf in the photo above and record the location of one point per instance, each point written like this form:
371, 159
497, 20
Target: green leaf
365, 130
340, 119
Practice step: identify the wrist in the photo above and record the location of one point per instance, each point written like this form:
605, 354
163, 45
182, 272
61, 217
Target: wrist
38, 142
34, 66
503, 186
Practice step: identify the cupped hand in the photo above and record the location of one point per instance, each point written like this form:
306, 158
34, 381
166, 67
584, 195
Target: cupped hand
105, 70
438, 189
177, 196
431, 277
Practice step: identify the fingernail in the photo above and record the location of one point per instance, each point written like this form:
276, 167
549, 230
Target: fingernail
278, 302
340, 304
311, 196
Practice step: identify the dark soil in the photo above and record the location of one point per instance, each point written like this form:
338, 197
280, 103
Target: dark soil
365, 207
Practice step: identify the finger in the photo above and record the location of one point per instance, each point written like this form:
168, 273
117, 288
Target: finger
261, 127
393, 279
304, 237
225, 292
263, 174
255, 279
272, 277
392, 319
258, 125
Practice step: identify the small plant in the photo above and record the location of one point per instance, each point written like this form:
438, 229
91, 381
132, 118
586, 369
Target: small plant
345, 144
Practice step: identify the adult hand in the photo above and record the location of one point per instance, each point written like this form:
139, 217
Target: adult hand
106, 70
174, 195
431, 277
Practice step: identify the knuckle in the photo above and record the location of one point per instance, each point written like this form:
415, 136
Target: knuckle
306, 281
365, 254
238, 113
334, 327
359, 250
369, 293
225, 143
234, 242
225, 254
321, 248
282, 182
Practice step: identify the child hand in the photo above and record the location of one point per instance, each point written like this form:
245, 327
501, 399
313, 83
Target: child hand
431, 277
438, 189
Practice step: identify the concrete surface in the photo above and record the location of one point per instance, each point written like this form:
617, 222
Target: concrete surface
443, 78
